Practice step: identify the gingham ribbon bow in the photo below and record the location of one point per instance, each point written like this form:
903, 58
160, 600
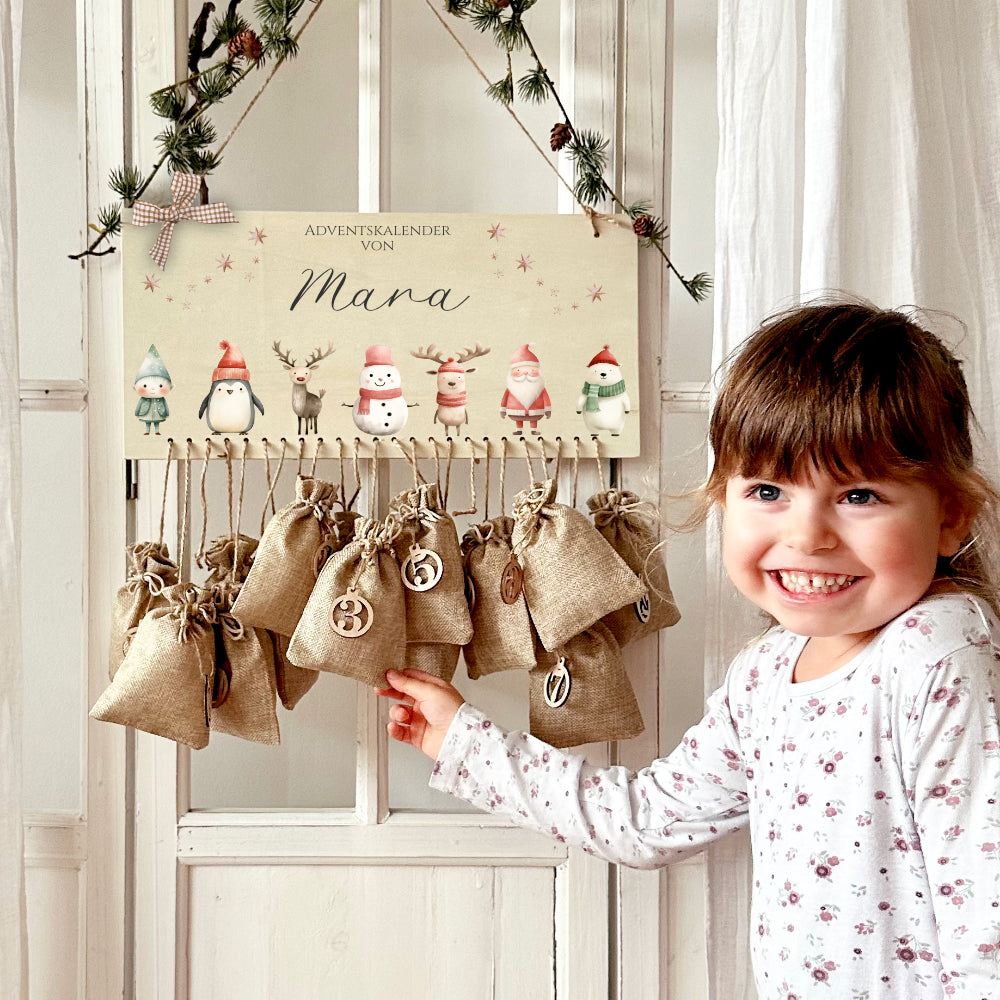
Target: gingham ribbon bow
183, 187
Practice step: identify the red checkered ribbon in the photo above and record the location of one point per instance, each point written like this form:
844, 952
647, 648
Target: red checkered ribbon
183, 187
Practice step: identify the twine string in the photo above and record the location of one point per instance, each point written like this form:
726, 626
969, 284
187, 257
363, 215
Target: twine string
200, 557
256, 97
166, 481
312, 468
576, 469
486, 502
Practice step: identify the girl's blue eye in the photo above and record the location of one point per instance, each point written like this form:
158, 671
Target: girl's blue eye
860, 497
766, 492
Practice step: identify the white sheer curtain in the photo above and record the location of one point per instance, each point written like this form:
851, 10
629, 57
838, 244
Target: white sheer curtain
859, 150
13, 931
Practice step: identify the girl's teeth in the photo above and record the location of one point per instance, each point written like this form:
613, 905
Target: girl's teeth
813, 583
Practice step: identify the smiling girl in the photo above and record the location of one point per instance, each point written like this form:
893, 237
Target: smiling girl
858, 739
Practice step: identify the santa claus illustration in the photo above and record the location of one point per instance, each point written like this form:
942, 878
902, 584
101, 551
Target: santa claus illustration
525, 398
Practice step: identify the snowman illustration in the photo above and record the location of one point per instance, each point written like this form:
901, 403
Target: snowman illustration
603, 400
380, 409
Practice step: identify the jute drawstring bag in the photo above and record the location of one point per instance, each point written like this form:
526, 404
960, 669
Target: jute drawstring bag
354, 622
288, 560
150, 573
292, 682
580, 692
572, 576
630, 526
164, 685
246, 657
430, 562
437, 658
502, 637
226, 560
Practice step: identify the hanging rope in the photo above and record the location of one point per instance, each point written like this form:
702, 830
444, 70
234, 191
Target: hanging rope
272, 483
166, 480
200, 556
486, 503
270, 76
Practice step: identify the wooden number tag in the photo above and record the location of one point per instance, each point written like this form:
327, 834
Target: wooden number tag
351, 615
511, 581
642, 608
422, 569
557, 684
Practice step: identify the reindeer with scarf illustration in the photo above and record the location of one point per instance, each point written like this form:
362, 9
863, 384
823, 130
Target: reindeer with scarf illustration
451, 397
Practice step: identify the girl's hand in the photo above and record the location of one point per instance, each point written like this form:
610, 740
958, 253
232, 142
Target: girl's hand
428, 706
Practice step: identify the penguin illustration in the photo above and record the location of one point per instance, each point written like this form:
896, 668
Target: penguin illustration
228, 407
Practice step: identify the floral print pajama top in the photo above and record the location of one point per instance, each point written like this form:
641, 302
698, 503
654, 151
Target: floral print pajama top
872, 796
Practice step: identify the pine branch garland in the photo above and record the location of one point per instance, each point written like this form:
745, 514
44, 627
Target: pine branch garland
184, 142
588, 149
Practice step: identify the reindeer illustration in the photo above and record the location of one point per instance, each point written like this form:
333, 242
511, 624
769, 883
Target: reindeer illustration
451, 398
306, 404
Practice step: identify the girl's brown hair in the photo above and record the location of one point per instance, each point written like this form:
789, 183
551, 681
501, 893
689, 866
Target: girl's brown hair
860, 393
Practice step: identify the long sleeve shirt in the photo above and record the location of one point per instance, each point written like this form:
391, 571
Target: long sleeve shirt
872, 795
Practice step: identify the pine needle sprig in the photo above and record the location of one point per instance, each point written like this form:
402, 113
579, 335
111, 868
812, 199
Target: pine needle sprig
588, 149
533, 87
184, 142
126, 182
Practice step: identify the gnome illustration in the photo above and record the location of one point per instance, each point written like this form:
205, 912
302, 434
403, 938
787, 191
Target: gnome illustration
603, 400
152, 383
228, 407
525, 398
380, 409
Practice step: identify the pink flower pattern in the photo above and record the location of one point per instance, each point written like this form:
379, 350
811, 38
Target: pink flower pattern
872, 794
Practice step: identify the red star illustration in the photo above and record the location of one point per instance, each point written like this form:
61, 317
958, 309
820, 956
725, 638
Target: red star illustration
255, 260
208, 279
596, 292
524, 264
539, 282
258, 235
575, 306
151, 282
170, 298
225, 262
496, 232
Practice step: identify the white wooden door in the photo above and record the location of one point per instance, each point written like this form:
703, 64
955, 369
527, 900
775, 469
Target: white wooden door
326, 868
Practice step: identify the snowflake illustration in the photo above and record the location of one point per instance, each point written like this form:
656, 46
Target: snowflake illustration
524, 263
497, 232
224, 262
151, 282
596, 292
258, 235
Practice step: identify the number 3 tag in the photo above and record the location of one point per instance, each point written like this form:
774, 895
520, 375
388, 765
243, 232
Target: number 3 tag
557, 684
351, 615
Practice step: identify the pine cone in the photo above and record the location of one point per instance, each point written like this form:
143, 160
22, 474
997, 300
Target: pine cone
643, 226
247, 45
561, 134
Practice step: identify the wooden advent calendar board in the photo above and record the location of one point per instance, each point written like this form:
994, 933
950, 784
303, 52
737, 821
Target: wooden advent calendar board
302, 326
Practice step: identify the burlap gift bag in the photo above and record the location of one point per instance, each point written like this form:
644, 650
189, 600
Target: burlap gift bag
431, 568
354, 622
502, 636
631, 528
287, 562
437, 658
164, 685
150, 572
292, 682
228, 560
245, 657
572, 576
581, 694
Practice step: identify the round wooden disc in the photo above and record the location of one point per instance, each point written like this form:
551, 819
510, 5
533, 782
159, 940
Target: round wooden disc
511, 581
